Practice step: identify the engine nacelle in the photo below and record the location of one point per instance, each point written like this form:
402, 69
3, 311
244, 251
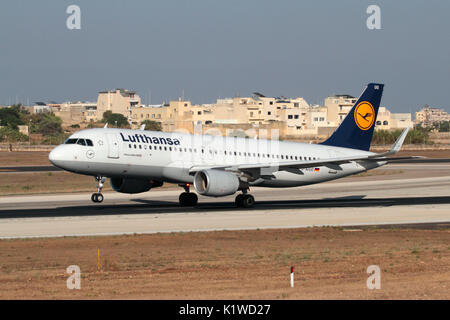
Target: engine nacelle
133, 185
216, 183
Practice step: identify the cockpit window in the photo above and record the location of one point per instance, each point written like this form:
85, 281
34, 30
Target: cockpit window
81, 142
71, 141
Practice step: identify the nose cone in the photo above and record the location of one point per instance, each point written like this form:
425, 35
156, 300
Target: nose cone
57, 156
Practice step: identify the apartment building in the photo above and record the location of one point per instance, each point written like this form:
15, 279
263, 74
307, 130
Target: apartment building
338, 106
428, 115
75, 112
117, 101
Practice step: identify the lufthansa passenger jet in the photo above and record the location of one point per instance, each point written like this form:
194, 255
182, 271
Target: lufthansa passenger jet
137, 160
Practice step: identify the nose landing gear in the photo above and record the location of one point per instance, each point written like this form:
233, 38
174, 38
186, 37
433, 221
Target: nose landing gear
98, 197
187, 199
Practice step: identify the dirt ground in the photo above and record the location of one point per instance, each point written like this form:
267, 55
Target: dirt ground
329, 263
24, 158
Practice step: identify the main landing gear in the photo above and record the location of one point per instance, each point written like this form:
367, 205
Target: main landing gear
98, 197
187, 199
244, 200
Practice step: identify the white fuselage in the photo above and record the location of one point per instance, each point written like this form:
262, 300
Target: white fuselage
169, 157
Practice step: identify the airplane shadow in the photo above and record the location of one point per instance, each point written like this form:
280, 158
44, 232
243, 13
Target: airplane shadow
165, 207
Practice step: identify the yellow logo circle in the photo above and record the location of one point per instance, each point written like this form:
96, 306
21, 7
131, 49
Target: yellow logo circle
364, 115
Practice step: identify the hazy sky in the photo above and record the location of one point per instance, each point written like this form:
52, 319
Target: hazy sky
225, 48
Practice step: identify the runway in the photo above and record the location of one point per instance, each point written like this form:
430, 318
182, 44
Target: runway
10, 169
351, 203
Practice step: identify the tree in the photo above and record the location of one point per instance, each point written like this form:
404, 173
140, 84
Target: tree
11, 135
116, 119
11, 117
152, 125
46, 124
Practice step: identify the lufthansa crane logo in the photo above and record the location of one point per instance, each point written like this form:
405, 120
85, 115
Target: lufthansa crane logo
364, 115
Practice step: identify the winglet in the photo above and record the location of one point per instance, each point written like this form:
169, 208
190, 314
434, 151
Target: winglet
106, 125
396, 146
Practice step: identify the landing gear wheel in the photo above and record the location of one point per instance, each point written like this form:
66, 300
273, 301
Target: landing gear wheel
97, 197
188, 199
238, 200
247, 201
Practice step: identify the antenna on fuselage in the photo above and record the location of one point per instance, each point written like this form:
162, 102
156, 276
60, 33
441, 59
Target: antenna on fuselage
142, 128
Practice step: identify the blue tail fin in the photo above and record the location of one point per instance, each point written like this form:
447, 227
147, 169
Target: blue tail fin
356, 130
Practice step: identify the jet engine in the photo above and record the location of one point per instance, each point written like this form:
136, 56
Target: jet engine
215, 183
133, 185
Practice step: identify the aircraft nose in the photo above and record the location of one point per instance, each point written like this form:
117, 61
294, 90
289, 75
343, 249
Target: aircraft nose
56, 156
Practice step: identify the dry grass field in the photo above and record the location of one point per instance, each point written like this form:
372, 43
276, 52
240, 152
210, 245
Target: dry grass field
330, 263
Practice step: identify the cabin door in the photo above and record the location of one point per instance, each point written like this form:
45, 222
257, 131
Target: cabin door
113, 146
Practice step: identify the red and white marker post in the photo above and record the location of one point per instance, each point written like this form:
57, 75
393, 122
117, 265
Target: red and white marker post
292, 277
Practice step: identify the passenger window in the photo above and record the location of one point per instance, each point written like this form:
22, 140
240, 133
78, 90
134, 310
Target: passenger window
129, 146
135, 146
149, 147
140, 146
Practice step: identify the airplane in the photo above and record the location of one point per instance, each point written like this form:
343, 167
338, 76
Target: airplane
137, 161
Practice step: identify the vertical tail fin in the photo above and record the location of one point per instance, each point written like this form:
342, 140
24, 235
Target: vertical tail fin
356, 130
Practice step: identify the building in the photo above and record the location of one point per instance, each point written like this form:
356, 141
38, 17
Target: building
118, 101
392, 121
75, 112
338, 106
427, 116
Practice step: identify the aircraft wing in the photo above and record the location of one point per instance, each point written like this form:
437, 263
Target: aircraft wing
331, 163
286, 164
